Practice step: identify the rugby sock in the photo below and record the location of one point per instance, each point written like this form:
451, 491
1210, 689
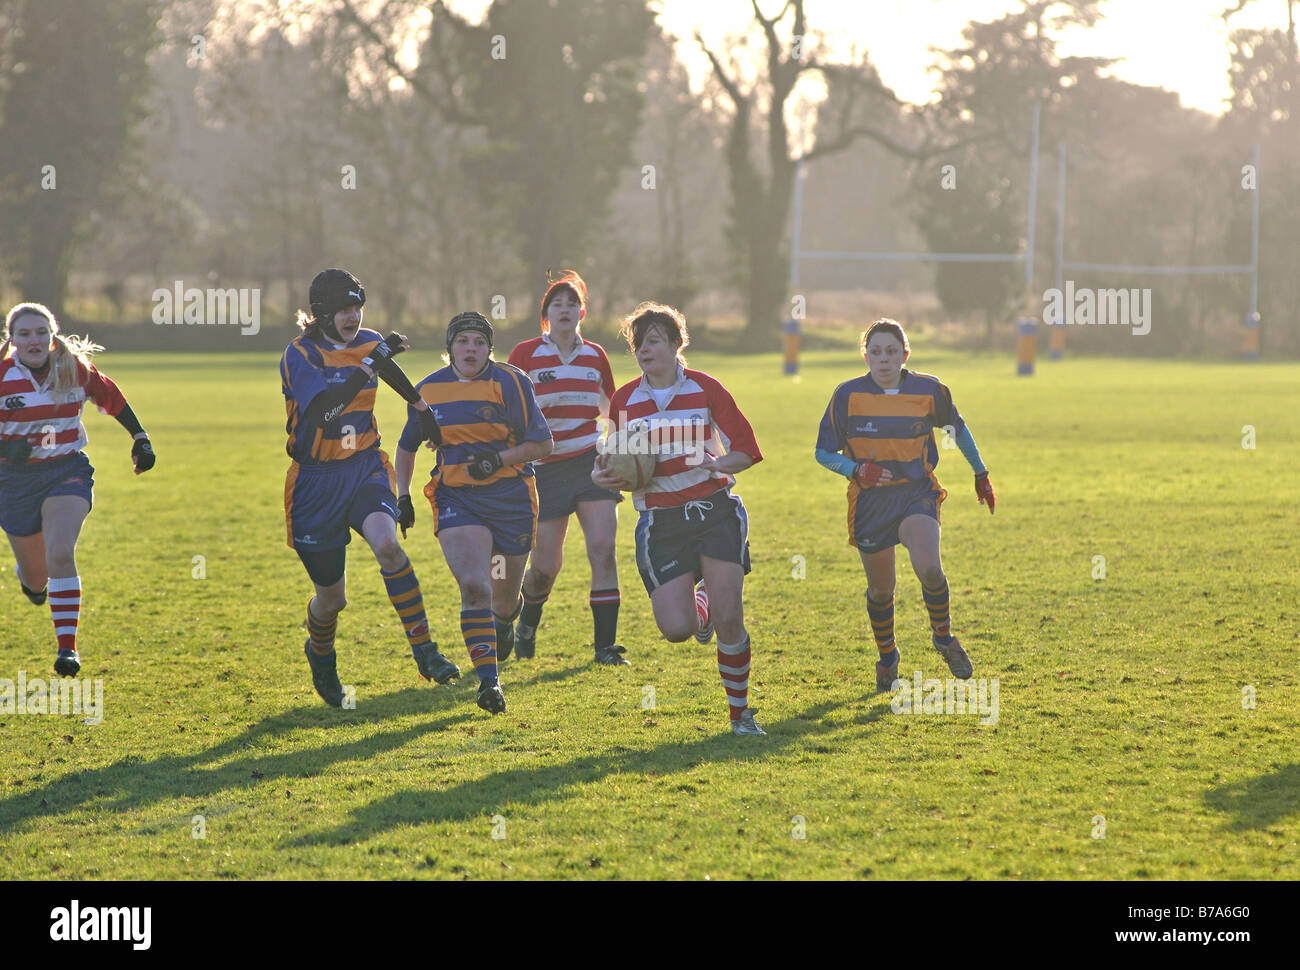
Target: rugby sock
702, 607
481, 641
733, 665
604, 614
936, 601
882, 627
531, 617
65, 609
505, 625
321, 632
404, 593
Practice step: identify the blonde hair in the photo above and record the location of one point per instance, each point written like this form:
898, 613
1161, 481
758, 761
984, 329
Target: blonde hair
65, 352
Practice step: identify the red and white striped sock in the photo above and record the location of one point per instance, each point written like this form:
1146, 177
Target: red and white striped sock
702, 606
65, 609
733, 665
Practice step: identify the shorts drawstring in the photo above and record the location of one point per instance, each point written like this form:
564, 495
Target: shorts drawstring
699, 505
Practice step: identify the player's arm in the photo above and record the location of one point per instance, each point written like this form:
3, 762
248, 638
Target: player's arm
522, 411
404, 466
381, 361
983, 487
109, 398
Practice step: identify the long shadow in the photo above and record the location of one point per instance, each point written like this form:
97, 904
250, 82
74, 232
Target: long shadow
1259, 802
134, 782
473, 799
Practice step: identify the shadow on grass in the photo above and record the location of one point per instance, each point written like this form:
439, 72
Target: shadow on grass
133, 782
545, 783
1259, 802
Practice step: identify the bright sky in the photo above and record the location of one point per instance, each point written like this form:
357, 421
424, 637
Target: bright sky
1180, 45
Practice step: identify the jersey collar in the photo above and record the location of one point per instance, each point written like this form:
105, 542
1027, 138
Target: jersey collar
577, 347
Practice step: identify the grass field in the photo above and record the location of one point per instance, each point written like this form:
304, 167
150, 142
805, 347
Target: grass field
1123, 697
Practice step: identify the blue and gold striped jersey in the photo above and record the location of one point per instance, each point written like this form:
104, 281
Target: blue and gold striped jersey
895, 430
490, 413
309, 367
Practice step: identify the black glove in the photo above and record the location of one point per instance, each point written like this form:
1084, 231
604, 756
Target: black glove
429, 426
142, 455
386, 349
405, 513
17, 451
485, 466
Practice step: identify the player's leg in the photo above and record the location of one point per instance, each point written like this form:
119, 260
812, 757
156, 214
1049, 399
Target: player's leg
599, 521
880, 570
920, 534
543, 568
328, 571
725, 582
379, 529
61, 520
468, 551
673, 605
29, 565
507, 576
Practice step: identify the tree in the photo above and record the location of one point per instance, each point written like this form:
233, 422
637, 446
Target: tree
75, 93
762, 191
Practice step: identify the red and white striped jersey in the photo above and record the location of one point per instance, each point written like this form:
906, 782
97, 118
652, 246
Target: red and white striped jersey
698, 415
52, 423
572, 390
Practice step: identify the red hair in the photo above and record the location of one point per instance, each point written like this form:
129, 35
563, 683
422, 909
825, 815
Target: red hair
567, 280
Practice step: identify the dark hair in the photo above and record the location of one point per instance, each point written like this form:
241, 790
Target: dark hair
891, 327
567, 280
648, 315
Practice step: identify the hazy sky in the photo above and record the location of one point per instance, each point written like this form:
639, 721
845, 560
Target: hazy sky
1180, 45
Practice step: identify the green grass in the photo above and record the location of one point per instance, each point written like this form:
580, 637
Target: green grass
1119, 697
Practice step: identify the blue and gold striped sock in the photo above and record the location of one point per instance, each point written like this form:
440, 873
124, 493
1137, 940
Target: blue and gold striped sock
937, 602
480, 635
882, 628
404, 593
321, 632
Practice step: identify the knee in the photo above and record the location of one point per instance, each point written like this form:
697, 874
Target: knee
61, 561
540, 581
389, 554
476, 593
330, 604
931, 576
880, 594
601, 554
678, 632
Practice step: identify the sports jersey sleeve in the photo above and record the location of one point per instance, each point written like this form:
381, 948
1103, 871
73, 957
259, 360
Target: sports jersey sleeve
300, 378
519, 356
523, 410
829, 435
732, 426
945, 412
412, 437
606, 378
618, 406
106, 395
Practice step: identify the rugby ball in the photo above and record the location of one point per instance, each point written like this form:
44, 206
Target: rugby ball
628, 455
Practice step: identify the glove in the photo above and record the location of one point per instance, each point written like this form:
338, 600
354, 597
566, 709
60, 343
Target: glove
142, 455
485, 466
16, 451
868, 474
386, 349
405, 513
429, 426
984, 489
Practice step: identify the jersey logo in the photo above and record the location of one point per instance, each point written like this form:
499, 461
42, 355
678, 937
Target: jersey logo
486, 413
546, 377
15, 402
869, 428
593, 376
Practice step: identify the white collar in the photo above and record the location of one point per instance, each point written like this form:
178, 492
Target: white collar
577, 346
673, 388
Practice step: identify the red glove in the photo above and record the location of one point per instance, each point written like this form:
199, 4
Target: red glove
868, 474
984, 489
